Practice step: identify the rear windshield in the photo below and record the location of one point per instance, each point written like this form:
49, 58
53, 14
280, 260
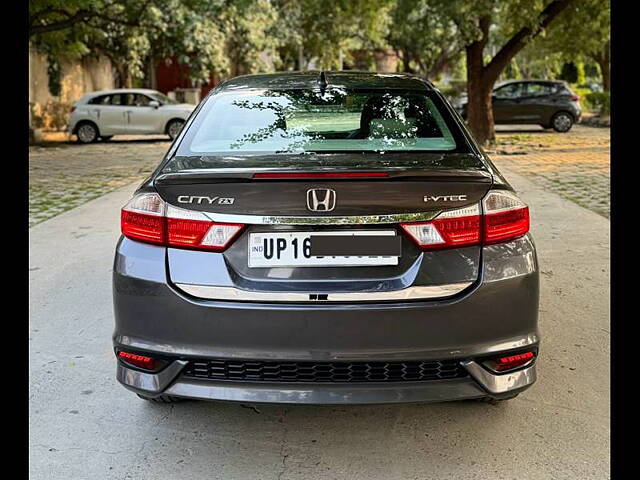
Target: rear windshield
337, 120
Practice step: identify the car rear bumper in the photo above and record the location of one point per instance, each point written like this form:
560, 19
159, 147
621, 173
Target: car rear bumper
479, 383
496, 314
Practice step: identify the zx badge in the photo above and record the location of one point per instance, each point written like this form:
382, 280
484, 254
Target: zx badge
205, 199
445, 198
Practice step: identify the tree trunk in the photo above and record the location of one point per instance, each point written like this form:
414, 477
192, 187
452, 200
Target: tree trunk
480, 113
124, 77
406, 63
301, 62
149, 80
481, 78
479, 107
441, 63
603, 61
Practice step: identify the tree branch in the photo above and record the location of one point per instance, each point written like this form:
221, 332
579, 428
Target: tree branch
79, 16
518, 41
82, 15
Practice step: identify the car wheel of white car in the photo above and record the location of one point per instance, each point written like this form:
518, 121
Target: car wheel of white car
174, 127
87, 133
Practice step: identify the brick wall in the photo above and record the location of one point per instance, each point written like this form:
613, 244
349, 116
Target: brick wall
77, 77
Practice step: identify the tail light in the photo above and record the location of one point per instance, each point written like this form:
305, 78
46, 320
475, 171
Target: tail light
575, 98
504, 217
73, 108
189, 229
454, 228
510, 362
147, 218
140, 361
143, 219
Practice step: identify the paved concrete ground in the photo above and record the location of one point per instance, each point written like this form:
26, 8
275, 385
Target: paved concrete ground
574, 164
85, 426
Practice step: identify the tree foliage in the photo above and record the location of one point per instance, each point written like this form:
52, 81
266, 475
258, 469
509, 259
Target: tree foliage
581, 33
493, 32
233, 37
424, 36
329, 32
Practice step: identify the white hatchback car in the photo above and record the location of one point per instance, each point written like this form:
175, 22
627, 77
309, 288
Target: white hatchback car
126, 111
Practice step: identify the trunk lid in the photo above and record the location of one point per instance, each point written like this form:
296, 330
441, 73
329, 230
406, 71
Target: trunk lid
414, 184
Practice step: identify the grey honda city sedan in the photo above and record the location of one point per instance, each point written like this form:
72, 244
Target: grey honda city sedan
325, 238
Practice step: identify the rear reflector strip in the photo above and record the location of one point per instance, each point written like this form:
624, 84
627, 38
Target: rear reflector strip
321, 175
510, 362
139, 361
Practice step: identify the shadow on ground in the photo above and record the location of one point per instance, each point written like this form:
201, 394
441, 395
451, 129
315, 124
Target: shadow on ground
524, 130
133, 141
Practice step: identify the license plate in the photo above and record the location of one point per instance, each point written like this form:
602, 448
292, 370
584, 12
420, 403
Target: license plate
293, 249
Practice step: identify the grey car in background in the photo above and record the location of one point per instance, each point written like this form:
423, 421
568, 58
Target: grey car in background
550, 104
325, 238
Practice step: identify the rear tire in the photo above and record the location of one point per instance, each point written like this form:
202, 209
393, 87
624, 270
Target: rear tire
87, 132
161, 399
174, 127
562, 122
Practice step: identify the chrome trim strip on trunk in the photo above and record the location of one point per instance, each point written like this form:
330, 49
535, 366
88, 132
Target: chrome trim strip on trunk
317, 220
211, 292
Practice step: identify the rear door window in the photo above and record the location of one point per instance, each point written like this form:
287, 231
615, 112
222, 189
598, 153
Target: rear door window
539, 89
511, 91
128, 99
117, 100
101, 100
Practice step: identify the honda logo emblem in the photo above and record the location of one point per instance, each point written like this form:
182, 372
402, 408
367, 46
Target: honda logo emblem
321, 199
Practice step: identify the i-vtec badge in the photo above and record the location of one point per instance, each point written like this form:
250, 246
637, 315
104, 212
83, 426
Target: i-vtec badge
445, 198
204, 199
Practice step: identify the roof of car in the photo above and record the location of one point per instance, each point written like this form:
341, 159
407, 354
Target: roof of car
313, 79
530, 80
118, 90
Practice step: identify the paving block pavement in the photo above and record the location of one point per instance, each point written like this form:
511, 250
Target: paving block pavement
575, 165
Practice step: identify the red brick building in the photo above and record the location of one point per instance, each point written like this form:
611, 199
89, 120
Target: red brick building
171, 75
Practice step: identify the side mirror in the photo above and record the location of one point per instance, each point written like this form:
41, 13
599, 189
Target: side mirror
154, 104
